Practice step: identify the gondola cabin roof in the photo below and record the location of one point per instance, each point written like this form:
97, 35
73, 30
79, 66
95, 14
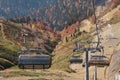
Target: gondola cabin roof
34, 59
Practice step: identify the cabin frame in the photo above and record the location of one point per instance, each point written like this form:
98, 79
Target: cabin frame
98, 60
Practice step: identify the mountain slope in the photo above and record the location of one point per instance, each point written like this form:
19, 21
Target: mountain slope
42, 36
11, 39
64, 50
54, 13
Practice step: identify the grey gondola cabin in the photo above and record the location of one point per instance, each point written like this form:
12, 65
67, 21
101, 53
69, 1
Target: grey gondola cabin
75, 59
41, 61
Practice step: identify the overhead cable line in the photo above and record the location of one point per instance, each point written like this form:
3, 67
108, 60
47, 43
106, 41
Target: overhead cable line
95, 22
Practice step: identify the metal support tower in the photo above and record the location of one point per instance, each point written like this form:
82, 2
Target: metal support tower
95, 73
87, 58
86, 64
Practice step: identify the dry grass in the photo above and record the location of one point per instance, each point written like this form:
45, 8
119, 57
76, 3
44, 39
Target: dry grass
64, 51
115, 20
40, 79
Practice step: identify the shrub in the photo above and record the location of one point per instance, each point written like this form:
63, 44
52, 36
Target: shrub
5, 63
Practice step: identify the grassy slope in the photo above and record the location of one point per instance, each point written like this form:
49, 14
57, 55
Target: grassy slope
8, 51
64, 50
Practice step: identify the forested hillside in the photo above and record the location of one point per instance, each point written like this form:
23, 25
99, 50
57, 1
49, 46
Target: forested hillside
54, 13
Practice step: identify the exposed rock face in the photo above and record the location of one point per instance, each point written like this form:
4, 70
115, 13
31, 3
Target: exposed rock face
115, 64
